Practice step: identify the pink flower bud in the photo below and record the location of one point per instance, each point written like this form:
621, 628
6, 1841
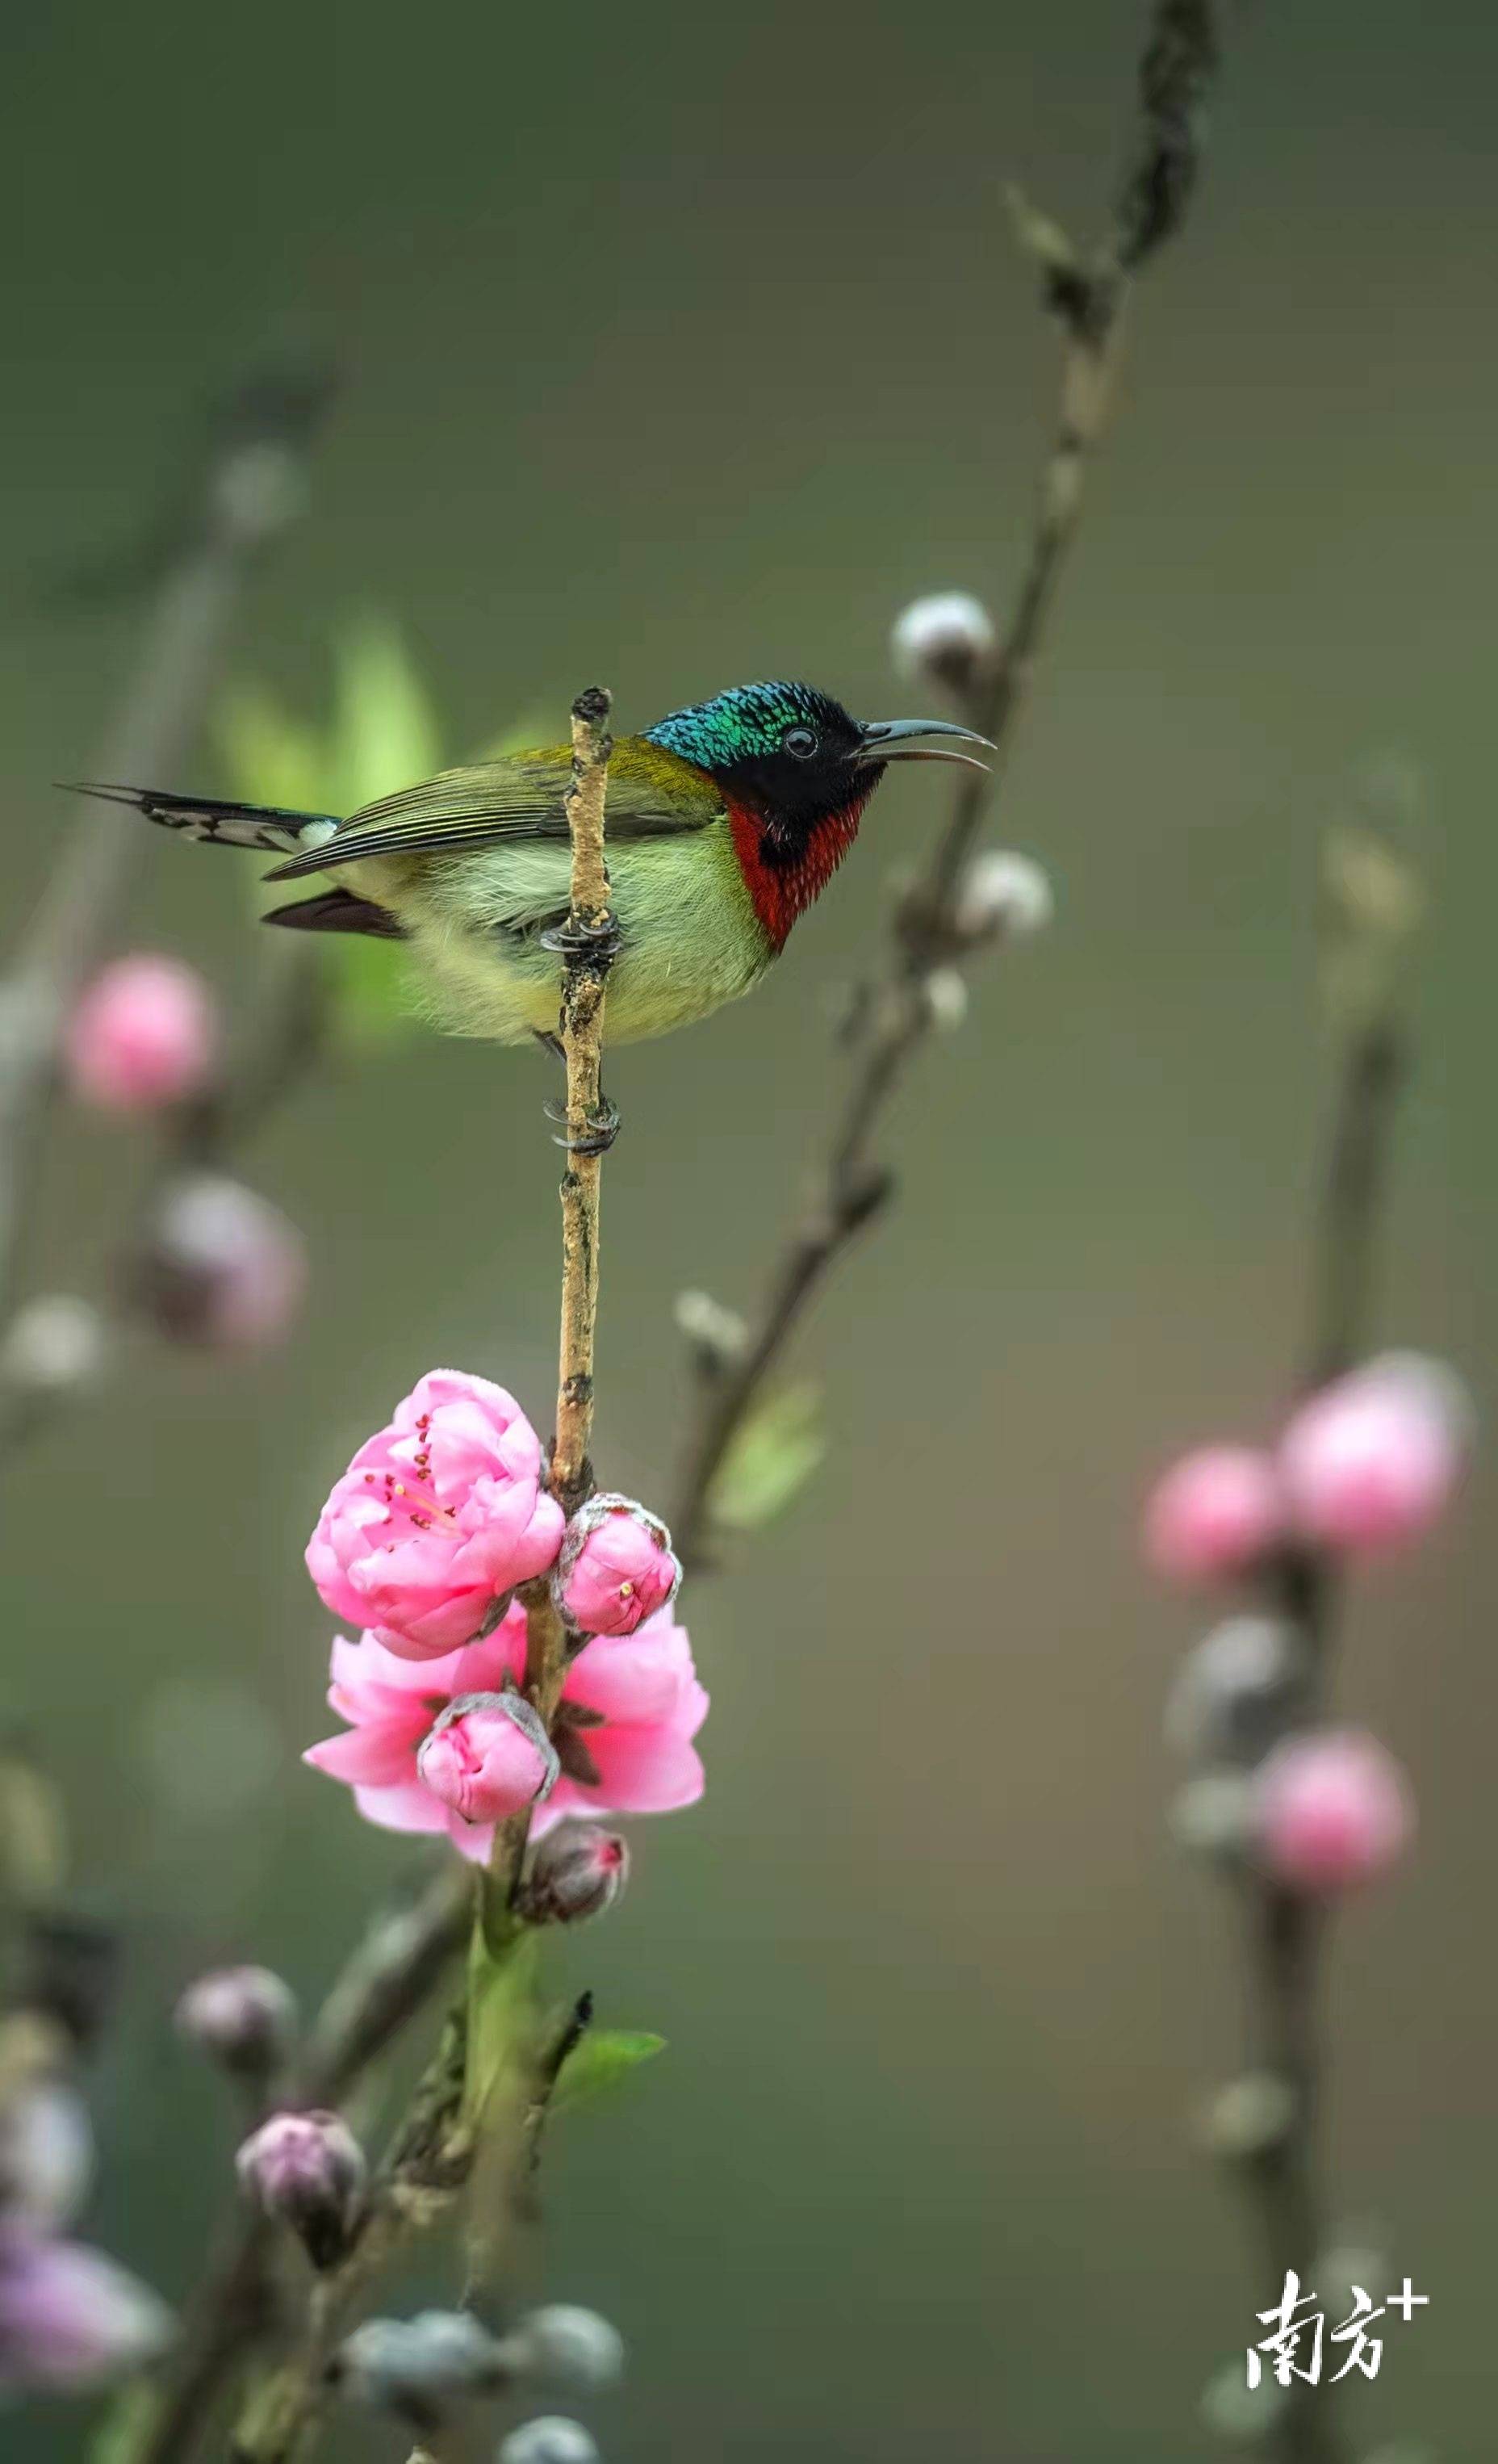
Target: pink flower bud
617, 1567
1214, 1514
1372, 1462
243, 2017
577, 1871
308, 2171
1330, 1811
143, 1034
223, 1267
70, 2318
488, 1757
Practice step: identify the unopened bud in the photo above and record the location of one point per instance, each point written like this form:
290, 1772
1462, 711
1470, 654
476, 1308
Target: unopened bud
46, 2154
308, 2171
258, 491
223, 1267
719, 1335
577, 1871
1002, 898
419, 2369
243, 2017
550, 2439
54, 1343
617, 1567
1250, 2116
574, 2346
946, 639
1237, 1691
945, 999
70, 2318
488, 1757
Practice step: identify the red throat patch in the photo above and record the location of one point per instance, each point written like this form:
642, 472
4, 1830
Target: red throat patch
783, 892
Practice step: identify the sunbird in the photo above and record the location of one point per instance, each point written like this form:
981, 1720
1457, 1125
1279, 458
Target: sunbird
723, 823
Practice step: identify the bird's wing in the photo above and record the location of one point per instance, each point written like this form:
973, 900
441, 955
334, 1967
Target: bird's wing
651, 794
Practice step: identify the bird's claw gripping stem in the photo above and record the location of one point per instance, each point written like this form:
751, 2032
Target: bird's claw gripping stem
599, 1130
596, 944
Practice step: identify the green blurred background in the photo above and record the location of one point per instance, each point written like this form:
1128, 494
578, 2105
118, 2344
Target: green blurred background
683, 347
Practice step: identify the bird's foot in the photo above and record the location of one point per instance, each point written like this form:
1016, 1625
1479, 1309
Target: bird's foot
599, 1130
598, 943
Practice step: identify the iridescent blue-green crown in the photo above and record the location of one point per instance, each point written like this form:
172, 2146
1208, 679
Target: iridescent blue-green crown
746, 722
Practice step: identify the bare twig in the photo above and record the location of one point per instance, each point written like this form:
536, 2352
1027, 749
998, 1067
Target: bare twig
1088, 298
391, 1976
248, 504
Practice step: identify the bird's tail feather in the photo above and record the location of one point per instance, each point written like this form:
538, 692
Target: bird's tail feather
221, 823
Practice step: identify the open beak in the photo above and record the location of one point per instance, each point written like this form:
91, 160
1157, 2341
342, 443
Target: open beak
892, 739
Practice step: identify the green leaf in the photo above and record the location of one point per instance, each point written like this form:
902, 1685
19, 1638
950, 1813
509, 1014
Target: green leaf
502, 2018
384, 728
775, 1453
602, 2058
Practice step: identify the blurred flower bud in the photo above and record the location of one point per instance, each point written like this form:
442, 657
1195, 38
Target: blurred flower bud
945, 992
1237, 1691
577, 1871
1250, 2116
1245, 2415
571, 2345
259, 491
70, 2318
550, 2439
420, 2368
718, 1336
488, 1755
223, 1267
243, 2017
46, 2153
1213, 1815
1330, 1811
1002, 898
1215, 1514
946, 638
1372, 1462
54, 1343
617, 1567
308, 2171
145, 1033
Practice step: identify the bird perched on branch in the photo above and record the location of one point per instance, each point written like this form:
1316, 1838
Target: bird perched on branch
723, 823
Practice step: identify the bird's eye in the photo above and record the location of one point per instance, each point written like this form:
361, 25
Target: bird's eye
799, 742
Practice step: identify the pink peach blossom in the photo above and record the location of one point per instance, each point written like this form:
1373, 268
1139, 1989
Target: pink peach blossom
1214, 1514
486, 1756
221, 1267
617, 1567
144, 1033
438, 1517
1372, 1462
1330, 1811
630, 1708
70, 2317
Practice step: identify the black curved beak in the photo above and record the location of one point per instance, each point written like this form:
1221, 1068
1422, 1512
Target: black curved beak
892, 739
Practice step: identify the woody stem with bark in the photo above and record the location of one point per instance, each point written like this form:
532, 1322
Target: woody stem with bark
1087, 297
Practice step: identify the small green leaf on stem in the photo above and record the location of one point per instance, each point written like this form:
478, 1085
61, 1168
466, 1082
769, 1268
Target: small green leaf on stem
601, 2060
773, 1455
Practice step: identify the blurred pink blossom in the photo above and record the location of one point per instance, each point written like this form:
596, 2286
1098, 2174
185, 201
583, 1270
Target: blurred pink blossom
438, 1517
486, 1756
145, 1033
630, 1708
617, 1567
70, 2318
1372, 1462
1214, 1514
1330, 1811
223, 1267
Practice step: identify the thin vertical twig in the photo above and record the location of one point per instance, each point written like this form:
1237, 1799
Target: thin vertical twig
1088, 295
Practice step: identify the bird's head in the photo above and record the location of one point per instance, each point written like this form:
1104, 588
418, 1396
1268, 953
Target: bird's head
796, 771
